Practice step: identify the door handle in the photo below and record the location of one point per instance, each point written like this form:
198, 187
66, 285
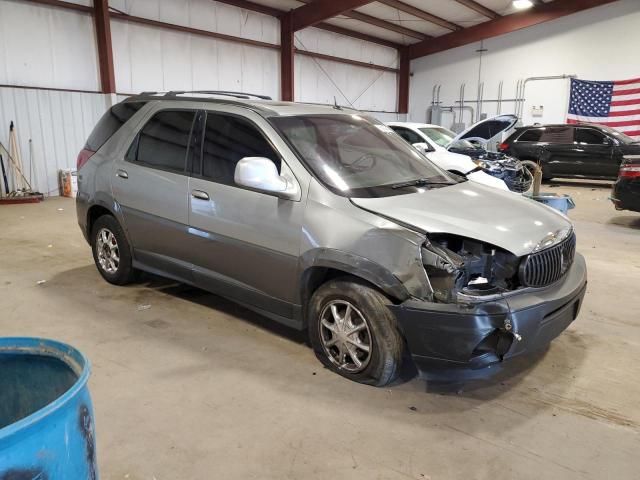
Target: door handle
122, 173
199, 194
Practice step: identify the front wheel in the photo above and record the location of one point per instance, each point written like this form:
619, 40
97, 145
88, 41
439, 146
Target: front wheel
353, 332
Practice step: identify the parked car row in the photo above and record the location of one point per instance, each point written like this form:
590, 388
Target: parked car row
467, 153
585, 151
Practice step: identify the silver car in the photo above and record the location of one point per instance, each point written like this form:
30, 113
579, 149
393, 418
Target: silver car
324, 219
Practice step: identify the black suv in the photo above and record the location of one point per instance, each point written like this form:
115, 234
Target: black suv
573, 151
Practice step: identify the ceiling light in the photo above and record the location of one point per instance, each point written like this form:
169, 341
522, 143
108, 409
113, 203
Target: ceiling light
522, 4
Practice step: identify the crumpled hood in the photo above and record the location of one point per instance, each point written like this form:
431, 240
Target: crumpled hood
509, 221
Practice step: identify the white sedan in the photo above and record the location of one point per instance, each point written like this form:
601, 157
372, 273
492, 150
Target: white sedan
431, 140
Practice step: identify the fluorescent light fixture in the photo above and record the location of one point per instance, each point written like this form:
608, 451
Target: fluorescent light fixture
522, 4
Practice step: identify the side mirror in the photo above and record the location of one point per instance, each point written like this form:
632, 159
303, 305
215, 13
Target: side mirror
609, 141
422, 147
261, 174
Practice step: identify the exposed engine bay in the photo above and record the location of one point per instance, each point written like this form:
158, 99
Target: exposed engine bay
462, 266
509, 169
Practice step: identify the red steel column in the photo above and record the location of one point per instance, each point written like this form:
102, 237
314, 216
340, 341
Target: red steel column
287, 52
105, 50
403, 81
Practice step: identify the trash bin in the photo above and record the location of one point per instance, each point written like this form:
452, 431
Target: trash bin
46, 416
562, 203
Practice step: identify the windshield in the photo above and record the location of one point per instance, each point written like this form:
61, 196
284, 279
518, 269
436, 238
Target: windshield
440, 135
357, 156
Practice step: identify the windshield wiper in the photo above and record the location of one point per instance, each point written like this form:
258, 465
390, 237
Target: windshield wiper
418, 182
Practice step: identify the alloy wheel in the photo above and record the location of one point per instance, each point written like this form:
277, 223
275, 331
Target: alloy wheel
107, 251
345, 336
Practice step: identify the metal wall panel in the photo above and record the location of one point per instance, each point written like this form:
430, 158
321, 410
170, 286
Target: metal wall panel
363, 88
58, 123
321, 80
149, 58
47, 47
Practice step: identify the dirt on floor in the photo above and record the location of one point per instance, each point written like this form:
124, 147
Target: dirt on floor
188, 385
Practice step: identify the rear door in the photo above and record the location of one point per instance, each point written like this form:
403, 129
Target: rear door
247, 243
557, 144
594, 153
151, 184
526, 144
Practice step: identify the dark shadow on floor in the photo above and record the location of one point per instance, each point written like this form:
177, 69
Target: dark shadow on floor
632, 221
593, 184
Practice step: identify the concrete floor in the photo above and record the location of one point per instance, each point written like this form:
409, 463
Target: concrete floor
193, 386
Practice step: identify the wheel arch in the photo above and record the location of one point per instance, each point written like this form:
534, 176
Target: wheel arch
322, 265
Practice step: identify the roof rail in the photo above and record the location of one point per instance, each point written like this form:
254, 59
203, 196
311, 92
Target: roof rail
242, 95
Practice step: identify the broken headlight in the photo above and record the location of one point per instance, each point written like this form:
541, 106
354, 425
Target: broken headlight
458, 265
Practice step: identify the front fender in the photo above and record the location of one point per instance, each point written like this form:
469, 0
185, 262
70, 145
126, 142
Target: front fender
355, 265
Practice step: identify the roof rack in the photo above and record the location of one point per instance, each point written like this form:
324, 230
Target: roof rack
242, 95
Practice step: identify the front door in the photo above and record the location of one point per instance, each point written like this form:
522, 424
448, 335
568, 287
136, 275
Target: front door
246, 243
595, 153
151, 185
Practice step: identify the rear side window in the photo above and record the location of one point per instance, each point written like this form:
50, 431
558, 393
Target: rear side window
532, 135
557, 135
164, 140
227, 140
110, 122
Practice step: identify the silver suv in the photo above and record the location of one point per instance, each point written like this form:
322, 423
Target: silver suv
322, 218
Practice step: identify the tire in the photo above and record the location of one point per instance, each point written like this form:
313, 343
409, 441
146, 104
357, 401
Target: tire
107, 238
381, 365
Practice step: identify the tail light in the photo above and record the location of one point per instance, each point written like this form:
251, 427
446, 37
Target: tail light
503, 147
629, 171
83, 157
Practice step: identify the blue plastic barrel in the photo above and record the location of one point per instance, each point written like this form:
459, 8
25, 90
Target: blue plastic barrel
562, 203
46, 415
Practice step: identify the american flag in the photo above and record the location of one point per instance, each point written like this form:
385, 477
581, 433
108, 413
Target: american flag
614, 104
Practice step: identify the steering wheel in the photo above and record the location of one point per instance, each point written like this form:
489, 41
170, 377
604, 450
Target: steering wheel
361, 164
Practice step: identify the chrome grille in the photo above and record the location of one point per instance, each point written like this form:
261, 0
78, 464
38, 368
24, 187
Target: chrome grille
548, 266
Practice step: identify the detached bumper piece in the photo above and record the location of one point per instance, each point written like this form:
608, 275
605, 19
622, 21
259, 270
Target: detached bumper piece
474, 336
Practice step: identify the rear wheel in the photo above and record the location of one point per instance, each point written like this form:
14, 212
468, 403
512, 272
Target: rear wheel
111, 251
353, 332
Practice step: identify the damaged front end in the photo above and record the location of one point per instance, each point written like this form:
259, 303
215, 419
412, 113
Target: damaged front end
480, 311
517, 177
460, 268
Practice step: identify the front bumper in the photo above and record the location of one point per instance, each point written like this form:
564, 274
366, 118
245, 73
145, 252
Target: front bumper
474, 336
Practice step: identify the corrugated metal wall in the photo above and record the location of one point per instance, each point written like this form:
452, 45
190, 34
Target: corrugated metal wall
50, 47
58, 124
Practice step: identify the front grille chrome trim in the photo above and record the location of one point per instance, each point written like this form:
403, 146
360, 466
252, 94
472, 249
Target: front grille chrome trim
547, 266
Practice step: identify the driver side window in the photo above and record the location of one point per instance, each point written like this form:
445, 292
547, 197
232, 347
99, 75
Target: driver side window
410, 136
227, 140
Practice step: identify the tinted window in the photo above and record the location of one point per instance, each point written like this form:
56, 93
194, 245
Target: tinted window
227, 140
589, 136
557, 135
110, 122
163, 141
408, 135
532, 135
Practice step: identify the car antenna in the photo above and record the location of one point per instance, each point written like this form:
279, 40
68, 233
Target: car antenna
335, 103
